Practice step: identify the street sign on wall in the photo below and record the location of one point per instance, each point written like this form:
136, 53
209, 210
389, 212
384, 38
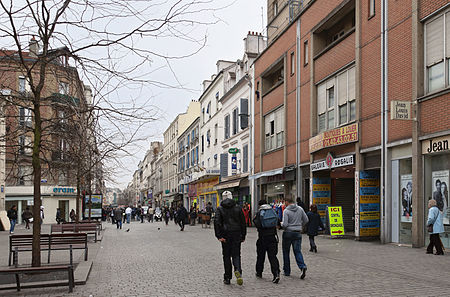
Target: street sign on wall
401, 110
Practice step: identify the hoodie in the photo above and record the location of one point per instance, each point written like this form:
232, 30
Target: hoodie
229, 219
294, 217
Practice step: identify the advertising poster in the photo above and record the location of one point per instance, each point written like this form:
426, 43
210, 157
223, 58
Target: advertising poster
321, 191
335, 220
369, 203
96, 208
440, 192
406, 197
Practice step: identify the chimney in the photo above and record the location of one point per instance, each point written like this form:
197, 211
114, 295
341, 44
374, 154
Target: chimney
34, 47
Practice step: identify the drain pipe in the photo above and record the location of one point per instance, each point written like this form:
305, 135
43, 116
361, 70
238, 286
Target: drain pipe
298, 117
384, 113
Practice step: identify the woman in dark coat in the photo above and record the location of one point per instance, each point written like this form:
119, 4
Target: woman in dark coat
313, 226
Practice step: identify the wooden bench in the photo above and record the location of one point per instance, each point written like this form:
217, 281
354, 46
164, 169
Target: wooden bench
98, 223
75, 228
48, 242
36, 270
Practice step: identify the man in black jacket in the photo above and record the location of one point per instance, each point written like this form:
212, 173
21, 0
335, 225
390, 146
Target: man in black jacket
12, 215
267, 242
181, 216
230, 230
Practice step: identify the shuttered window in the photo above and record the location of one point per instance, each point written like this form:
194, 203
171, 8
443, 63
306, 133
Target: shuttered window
227, 126
245, 158
223, 165
244, 113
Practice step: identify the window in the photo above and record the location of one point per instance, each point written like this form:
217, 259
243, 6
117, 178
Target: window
216, 133
245, 158
21, 175
63, 148
275, 8
22, 145
193, 157
208, 110
22, 84
203, 143
292, 63
273, 78
25, 117
61, 117
227, 126
208, 137
371, 8
336, 101
188, 141
305, 53
193, 135
244, 113
196, 155
274, 129
235, 121
64, 88
187, 160
437, 53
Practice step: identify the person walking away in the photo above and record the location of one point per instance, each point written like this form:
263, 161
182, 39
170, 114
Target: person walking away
193, 215
12, 216
118, 217
113, 221
58, 216
209, 211
181, 216
128, 212
266, 222
435, 227
42, 215
294, 217
27, 216
313, 226
150, 213
72, 215
230, 230
166, 215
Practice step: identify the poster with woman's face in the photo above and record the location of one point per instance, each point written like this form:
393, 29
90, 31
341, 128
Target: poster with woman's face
440, 192
406, 198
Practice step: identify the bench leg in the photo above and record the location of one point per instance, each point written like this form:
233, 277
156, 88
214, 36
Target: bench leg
86, 254
71, 279
10, 256
95, 236
18, 282
48, 260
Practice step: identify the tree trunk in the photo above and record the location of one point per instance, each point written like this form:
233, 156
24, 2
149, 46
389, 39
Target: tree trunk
77, 211
36, 160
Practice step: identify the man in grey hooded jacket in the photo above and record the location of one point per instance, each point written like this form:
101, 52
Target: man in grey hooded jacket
294, 217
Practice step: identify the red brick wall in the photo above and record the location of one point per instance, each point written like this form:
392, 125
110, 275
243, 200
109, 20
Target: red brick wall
435, 114
427, 7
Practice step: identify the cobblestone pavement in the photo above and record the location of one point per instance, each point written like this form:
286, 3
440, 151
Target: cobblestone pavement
147, 261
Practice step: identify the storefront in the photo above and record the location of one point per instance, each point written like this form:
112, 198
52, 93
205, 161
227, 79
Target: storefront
436, 157
53, 197
206, 193
238, 186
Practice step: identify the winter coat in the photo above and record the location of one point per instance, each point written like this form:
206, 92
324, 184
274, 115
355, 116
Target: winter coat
435, 219
229, 219
27, 215
294, 217
12, 214
314, 223
181, 214
118, 214
257, 221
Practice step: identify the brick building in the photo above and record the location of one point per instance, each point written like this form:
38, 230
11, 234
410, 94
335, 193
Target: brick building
325, 127
63, 100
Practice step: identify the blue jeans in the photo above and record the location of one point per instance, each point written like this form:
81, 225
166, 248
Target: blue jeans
119, 223
13, 224
128, 218
294, 239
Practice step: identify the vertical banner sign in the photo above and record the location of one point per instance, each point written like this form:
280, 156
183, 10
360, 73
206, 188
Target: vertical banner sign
357, 203
233, 164
335, 220
321, 191
369, 203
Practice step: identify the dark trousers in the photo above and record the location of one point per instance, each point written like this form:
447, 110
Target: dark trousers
142, 218
293, 239
181, 223
311, 242
435, 241
119, 224
231, 251
269, 245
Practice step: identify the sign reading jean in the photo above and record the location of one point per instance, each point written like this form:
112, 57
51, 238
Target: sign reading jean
369, 203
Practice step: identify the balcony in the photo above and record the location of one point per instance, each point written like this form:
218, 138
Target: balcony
64, 99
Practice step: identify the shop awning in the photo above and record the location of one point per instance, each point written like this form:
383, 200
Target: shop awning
266, 173
228, 184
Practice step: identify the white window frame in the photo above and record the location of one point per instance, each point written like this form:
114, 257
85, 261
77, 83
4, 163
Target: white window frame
274, 140
371, 8
235, 123
333, 82
63, 88
445, 53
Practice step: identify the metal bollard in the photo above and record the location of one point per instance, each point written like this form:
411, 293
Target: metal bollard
71, 256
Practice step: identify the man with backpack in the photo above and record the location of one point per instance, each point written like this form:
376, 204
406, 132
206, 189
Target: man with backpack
266, 222
230, 230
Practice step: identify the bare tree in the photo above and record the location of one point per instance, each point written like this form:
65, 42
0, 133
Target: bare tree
97, 36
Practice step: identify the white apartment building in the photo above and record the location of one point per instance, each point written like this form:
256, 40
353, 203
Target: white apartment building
235, 118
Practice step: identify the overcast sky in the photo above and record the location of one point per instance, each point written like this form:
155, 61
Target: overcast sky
224, 42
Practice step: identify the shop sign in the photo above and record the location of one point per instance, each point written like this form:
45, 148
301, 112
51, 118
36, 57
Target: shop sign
331, 162
233, 164
321, 193
233, 150
96, 206
401, 110
338, 136
3, 188
369, 203
336, 223
436, 145
59, 190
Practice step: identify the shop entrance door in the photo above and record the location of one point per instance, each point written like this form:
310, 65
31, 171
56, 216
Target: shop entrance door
64, 207
345, 197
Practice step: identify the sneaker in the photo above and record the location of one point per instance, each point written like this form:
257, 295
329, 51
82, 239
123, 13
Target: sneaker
258, 275
226, 281
303, 273
12, 232
276, 279
239, 279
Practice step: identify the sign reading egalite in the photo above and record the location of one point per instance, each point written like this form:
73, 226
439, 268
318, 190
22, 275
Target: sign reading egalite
335, 220
401, 110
